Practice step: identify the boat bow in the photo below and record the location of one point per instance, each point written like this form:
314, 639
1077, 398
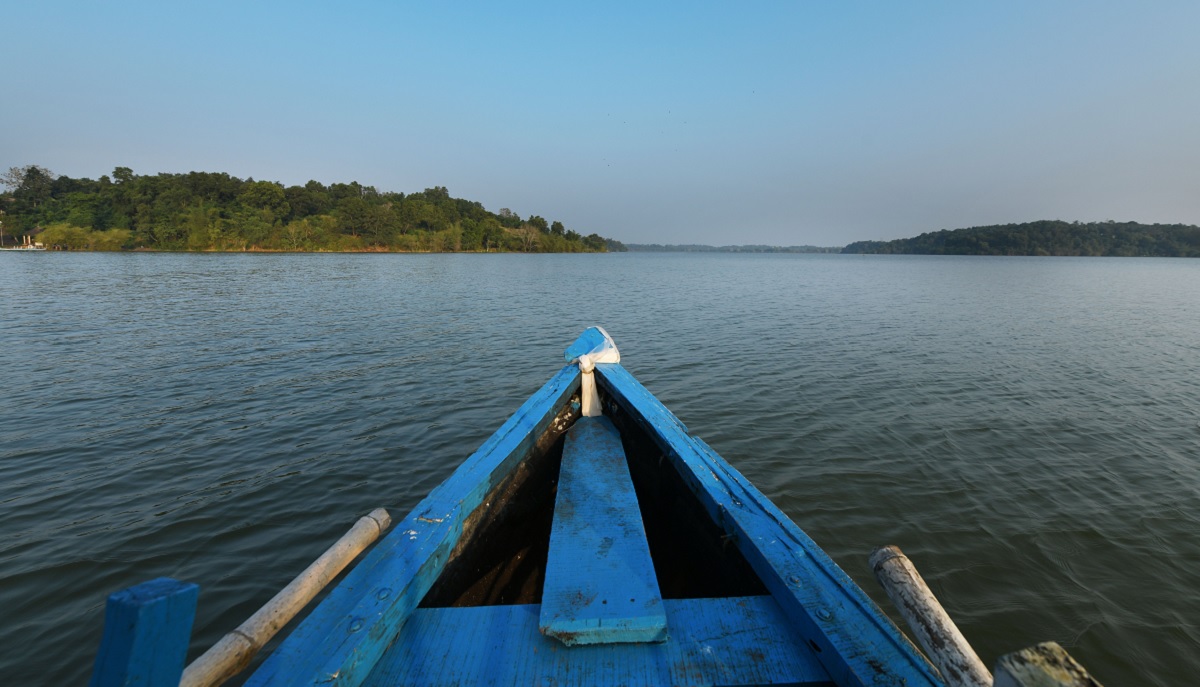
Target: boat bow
628, 552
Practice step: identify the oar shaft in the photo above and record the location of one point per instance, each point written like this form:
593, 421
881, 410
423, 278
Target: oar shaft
233, 652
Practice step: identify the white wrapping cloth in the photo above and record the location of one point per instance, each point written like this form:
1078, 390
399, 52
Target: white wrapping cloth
604, 352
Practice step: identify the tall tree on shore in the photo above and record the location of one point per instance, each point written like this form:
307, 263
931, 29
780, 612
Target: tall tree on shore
15, 177
30, 187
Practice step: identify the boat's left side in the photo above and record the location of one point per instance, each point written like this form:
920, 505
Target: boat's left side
341, 640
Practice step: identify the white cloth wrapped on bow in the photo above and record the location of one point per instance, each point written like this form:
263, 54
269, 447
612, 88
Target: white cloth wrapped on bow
604, 352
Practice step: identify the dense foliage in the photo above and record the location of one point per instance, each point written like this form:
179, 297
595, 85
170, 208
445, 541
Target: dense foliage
1049, 237
216, 211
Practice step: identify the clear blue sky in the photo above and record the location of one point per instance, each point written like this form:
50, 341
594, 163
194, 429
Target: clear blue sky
780, 123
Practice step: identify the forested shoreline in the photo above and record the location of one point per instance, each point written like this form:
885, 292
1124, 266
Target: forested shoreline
1049, 237
213, 211
207, 211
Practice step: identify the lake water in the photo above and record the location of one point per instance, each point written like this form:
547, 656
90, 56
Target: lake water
1026, 429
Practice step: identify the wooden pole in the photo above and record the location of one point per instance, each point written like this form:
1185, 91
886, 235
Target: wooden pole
233, 652
935, 631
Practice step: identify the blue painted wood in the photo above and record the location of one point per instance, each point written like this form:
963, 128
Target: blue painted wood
729, 641
856, 643
146, 634
586, 343
600, 585
340, 641
343, 640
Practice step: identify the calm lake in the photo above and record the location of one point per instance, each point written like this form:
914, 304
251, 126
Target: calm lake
1026, 429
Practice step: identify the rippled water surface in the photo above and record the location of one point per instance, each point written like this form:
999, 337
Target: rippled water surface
1027, 430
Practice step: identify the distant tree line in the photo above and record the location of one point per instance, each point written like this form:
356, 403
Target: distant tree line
216, 211
700, 248
1049, 237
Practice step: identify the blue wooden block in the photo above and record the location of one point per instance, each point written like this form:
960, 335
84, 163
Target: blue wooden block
600, 584
338, 644
587, 342
727, 641
853, 639
146, 633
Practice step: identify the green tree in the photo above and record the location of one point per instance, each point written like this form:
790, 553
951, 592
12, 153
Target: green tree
265, 196
379, 225
472, 234
493, 234
308, 200
122, 175
352, 215
539, 224
31, 188
205, 228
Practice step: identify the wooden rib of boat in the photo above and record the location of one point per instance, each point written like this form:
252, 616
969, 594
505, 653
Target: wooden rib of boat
606, 550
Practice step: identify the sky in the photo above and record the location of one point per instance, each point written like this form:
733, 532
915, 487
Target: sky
789, 123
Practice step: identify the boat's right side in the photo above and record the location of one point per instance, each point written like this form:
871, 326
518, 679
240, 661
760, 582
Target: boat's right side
836, 621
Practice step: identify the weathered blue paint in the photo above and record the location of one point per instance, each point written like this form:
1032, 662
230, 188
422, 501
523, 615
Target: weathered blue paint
855, 642
729, 641
146, 633
340, 641
822, 629
600, 584
587, 342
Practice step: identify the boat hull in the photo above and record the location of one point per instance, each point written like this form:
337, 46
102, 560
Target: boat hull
358, 629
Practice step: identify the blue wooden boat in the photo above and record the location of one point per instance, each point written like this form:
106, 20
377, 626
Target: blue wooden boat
583, 549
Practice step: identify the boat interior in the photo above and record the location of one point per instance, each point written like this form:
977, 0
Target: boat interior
502, 559
516, 605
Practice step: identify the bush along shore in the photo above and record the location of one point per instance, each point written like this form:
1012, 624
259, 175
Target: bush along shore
207, 211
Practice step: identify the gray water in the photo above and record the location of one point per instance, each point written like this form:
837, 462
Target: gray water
1027, 430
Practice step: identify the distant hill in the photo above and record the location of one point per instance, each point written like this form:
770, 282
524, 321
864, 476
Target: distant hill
1049, 237
699, 248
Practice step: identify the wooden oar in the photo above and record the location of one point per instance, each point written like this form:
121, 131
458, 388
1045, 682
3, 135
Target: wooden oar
232, 654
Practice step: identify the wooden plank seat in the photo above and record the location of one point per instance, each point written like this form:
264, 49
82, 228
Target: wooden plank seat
600, 586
